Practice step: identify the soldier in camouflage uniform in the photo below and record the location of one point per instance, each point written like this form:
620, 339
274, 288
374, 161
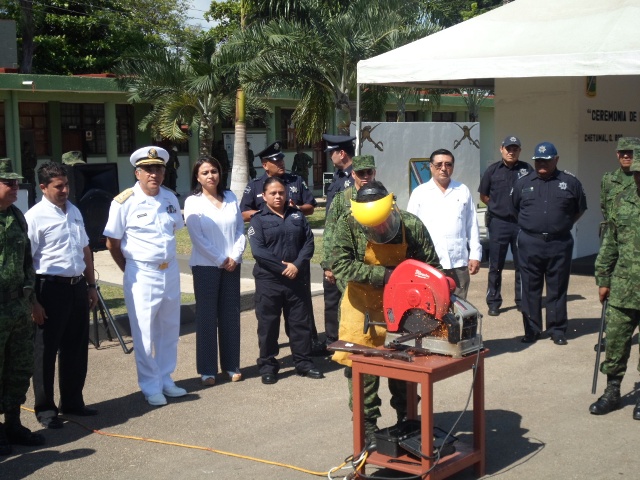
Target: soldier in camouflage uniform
617, 272
614, 183
17, 279
363, 172
368, 245
621, 179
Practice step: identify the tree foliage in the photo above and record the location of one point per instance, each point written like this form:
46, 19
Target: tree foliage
450, 12
81, 36
316, 57
189, 87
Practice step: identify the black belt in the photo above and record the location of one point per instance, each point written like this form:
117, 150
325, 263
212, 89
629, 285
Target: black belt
57, 279
7, 296
547, 237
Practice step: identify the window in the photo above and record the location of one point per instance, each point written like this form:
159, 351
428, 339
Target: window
408, 116
443, 117
3, 139
84, 125
287, 129
125, 128
33, 123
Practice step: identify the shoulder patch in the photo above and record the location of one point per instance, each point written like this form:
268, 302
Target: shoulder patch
568, 173
124, 195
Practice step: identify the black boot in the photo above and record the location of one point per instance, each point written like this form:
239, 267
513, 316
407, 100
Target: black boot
610, 400
18, 434
636, 411
370, 429
5, 447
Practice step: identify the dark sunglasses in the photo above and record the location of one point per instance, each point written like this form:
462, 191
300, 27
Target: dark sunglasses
365, 171
10, 183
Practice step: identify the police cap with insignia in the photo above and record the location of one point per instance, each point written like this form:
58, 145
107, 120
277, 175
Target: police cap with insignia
628, 143
338, 142
511, 140
6, 170
635, 163
272, 153
149, 156
363, 162
545, 151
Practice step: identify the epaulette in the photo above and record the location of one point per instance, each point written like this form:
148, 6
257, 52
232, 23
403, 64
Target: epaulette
568, 173
124, 195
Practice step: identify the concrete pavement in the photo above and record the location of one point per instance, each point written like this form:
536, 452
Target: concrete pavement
537, 399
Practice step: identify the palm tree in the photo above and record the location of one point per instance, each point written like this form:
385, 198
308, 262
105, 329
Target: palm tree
316, 58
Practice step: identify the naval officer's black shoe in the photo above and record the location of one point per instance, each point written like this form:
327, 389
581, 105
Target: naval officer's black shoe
636, 411
269, 378
311, 373
80, 412
530, 338
559, 339
494, 312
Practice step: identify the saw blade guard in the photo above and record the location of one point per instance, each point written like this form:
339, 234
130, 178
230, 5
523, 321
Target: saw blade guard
416, 286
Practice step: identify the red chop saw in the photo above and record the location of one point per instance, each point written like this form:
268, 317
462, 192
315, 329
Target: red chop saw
421, 312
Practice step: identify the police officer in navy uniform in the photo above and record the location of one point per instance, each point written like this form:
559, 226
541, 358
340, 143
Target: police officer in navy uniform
341, 150
548, 203
273, 163
282, 245
495, 189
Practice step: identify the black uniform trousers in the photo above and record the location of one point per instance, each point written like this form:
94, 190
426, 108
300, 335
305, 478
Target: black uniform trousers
64, 334
332, 296
542, 260
502, 235
289, 297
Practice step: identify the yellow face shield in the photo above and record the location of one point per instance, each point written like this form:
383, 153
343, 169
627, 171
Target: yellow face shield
380, 219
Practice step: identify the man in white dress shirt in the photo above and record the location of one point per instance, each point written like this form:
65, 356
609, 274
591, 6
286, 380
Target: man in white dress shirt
140, 235
65, 292
446, 207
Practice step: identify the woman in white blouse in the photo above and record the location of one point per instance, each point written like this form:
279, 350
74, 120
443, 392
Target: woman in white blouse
217, 234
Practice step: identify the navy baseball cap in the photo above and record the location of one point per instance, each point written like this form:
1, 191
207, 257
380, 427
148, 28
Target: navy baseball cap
511, 140
545, 151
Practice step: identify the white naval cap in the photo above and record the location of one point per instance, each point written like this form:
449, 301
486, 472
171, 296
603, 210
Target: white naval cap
149, 156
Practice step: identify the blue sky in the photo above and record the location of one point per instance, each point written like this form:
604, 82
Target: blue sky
197, 11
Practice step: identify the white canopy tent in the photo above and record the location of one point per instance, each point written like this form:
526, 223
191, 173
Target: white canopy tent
525, 38
536, 55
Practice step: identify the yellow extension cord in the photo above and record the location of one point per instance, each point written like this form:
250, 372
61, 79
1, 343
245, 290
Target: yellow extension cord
198, 447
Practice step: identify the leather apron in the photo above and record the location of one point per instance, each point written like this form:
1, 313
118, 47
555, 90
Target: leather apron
360, 299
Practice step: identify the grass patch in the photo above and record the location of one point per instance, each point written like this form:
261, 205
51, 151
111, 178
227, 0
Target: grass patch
114, 298
183, 241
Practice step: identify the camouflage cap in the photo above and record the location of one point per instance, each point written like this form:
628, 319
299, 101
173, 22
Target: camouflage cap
71, 158
362, 162
635, 164
628, 143
6, 170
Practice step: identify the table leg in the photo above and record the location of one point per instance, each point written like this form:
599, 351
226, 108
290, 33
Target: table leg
479, 417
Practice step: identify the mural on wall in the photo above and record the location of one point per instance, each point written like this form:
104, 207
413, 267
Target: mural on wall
365, 134
419, 172
466, 133
403, 163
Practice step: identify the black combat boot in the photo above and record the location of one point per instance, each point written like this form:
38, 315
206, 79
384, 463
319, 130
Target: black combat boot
5, 447
370, 429
610, 400
18, 434
636, 411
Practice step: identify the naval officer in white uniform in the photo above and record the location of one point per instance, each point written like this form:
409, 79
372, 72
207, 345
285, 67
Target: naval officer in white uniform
140, 235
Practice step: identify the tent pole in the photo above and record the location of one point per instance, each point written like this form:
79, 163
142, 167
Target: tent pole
358, 121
